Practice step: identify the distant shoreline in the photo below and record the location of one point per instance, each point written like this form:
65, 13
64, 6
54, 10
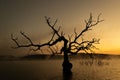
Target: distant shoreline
49, 57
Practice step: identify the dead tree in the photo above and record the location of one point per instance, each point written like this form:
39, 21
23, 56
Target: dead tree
71, 43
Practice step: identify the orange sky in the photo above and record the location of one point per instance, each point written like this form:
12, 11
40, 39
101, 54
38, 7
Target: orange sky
28, 16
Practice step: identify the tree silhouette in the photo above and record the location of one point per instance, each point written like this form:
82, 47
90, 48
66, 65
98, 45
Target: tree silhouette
71, 44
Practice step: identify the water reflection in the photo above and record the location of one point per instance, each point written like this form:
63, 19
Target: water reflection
67, 76
52, 70
94, 62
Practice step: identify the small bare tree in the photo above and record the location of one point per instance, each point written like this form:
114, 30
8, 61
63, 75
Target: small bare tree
71, 44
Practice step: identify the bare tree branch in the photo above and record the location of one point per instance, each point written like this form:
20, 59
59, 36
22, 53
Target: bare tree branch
15, 40
22, 33
52, 26
69, 38
90, 23
75, 32
70, 46
51, 42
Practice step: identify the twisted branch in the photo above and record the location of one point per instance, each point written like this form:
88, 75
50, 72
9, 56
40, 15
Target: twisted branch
71, 46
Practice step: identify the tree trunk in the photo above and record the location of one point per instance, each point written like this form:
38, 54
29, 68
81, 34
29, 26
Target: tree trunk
66, 64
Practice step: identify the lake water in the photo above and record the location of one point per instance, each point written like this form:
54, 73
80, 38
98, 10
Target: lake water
52, 70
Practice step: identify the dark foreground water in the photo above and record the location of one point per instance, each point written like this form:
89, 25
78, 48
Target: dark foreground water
52, 70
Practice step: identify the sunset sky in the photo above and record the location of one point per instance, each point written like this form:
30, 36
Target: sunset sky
28, 16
